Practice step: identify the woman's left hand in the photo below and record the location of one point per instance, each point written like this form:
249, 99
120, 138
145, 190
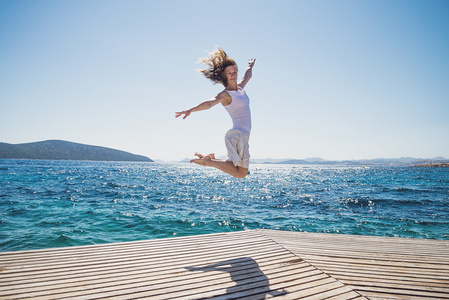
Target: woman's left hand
251, 62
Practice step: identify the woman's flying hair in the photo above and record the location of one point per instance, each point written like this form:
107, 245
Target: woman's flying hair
217, 63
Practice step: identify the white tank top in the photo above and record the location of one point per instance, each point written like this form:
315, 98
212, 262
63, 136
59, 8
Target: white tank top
239, 110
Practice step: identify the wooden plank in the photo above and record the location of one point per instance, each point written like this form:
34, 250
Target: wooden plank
229, 289
118, 261
157, 269
120, 249
428, 267
20, 262
391, 276
377, 255
79, 283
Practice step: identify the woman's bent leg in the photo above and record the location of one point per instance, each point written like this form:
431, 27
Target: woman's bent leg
223, 165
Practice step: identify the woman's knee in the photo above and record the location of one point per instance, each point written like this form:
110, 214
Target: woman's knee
241, 173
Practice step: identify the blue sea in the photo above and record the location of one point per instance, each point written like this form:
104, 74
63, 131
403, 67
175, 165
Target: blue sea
68, 203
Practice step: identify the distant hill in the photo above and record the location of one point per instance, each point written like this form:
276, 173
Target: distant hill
63, 150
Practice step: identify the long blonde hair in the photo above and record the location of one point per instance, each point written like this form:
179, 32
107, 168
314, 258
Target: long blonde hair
217, 62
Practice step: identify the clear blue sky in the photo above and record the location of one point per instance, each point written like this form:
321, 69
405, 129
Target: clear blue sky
333, 79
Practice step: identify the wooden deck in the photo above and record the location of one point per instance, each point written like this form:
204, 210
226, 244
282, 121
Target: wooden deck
256, 264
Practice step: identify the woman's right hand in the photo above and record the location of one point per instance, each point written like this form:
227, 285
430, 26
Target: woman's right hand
186, 113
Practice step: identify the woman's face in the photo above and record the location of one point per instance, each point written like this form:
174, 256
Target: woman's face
230, 73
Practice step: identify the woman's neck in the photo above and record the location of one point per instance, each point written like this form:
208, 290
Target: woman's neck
232, 87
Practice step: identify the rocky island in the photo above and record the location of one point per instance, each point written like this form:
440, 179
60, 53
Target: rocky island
63, 150
433, 165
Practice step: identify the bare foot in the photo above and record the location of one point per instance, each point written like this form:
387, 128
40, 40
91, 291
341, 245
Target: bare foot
203, 160
199, 155
212, 155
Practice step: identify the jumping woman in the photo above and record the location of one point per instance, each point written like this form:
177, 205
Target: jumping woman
223, 69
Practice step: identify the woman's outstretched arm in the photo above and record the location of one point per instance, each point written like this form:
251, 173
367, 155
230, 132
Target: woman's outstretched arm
248, 73
223, 97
